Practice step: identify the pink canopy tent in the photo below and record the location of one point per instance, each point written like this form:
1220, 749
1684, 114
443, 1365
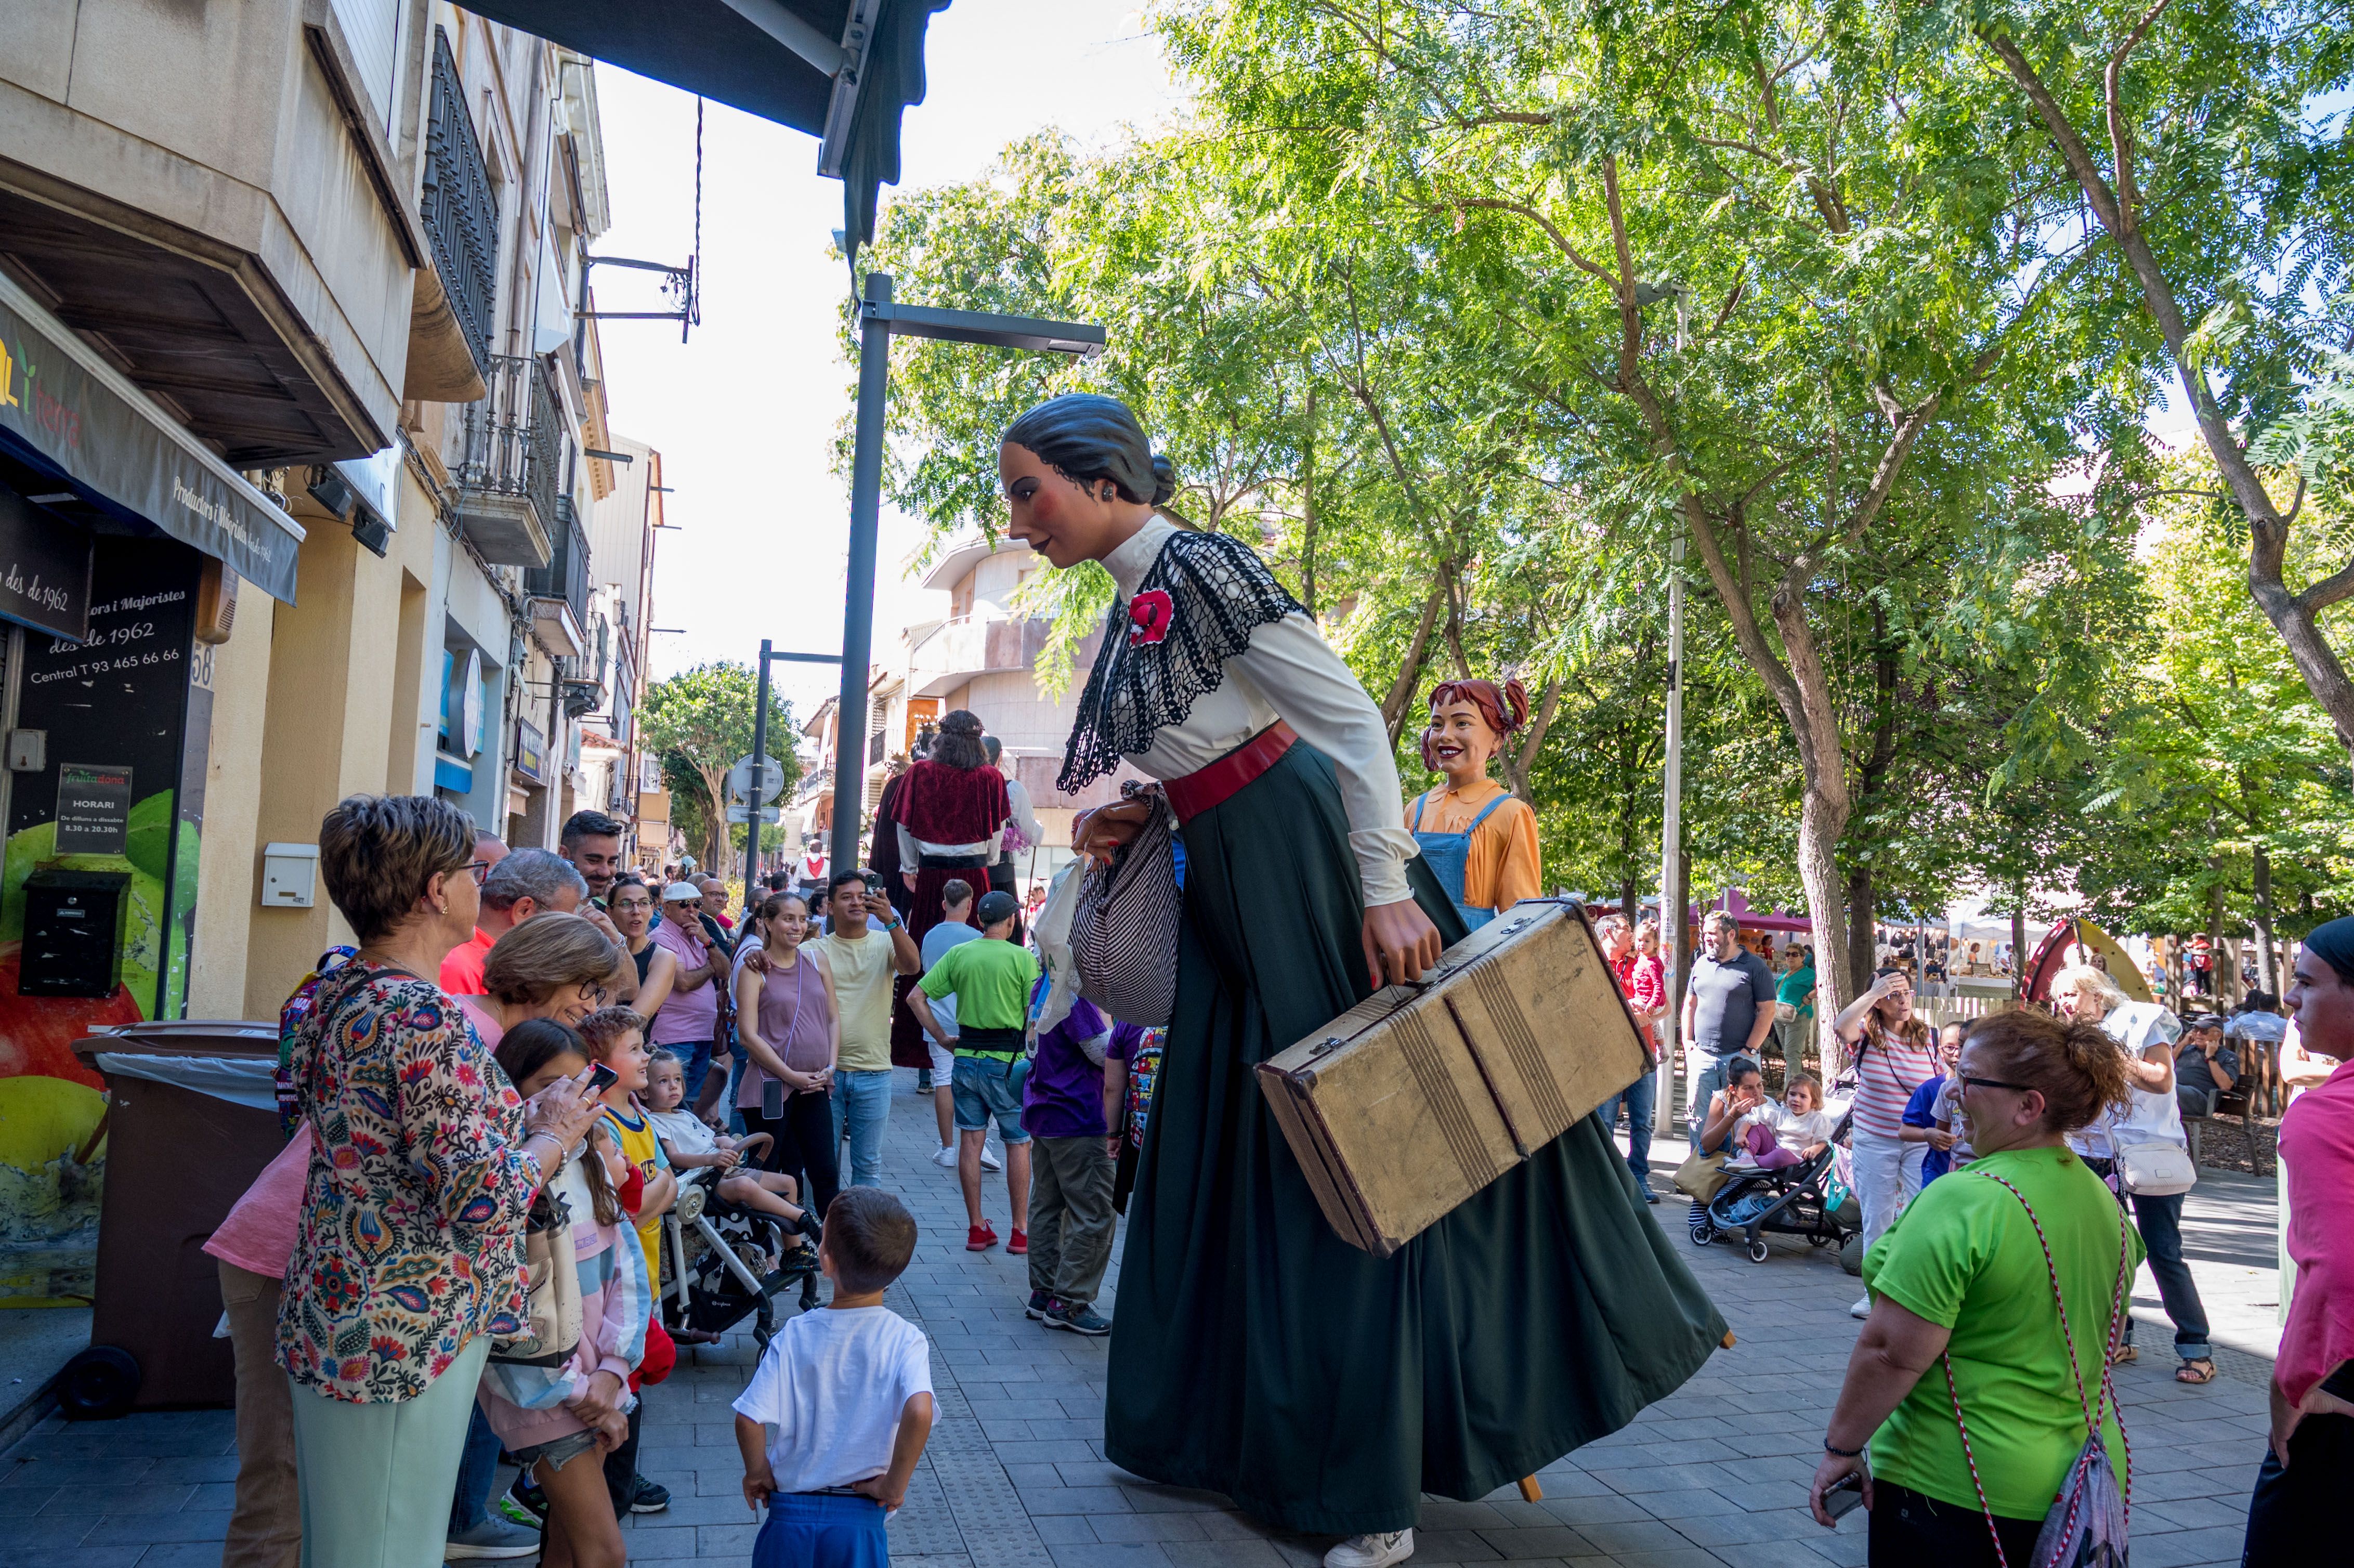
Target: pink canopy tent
1736, 903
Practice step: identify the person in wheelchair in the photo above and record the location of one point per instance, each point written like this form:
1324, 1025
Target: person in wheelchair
690, 1145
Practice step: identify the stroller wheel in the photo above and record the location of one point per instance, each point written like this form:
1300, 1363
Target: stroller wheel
1821, 1241
1702, 1233
1757, 1251
762, 1334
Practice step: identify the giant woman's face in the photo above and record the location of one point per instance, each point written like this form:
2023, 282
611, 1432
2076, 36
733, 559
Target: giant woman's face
1064, 520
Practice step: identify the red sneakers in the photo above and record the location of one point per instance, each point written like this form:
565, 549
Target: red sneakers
980, 1238
1020, 1243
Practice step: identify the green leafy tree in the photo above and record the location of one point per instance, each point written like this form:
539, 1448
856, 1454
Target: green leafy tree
700, 722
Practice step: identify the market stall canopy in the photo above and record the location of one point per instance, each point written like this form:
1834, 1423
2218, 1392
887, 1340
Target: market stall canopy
100, 445
841, 70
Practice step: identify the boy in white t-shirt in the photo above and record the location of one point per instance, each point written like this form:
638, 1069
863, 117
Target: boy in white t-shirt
841, 1405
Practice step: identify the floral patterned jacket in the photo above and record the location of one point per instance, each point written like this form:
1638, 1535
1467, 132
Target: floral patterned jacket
410, 1237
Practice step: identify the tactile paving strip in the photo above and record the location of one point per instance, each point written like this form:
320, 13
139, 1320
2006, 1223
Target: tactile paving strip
984, 1516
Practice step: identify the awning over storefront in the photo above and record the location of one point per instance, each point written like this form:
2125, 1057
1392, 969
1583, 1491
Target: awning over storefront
841, 70
68, 414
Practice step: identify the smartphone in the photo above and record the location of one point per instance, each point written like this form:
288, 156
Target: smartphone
772, 1098
601, 1077
1845, 1497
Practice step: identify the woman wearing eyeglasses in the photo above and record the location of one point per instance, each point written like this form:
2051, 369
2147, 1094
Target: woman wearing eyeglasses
552, 966
2008, 1278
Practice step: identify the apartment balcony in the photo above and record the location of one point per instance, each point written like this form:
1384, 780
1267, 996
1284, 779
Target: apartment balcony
558, 592
506, 482
459, 207
986, 643
207, 196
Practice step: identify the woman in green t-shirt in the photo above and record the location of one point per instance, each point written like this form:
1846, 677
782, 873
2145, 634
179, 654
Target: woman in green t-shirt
1951, 1281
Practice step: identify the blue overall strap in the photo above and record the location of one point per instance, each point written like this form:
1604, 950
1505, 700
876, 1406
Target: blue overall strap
1419, 802
1483, 813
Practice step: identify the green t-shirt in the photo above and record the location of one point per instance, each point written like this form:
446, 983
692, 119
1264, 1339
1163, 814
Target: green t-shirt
1964, 1254
1798, 988
990, 980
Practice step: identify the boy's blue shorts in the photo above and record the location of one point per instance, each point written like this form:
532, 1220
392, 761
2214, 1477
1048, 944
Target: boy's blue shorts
822, 1530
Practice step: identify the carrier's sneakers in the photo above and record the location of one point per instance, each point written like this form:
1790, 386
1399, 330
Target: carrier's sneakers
979, 1238
493, 1537
1020, 1243
1078, 1318
1378, 1550
947, 1157
1039, 1302
989, 1160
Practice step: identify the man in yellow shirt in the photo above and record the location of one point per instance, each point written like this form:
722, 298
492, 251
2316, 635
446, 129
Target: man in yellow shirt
864, 961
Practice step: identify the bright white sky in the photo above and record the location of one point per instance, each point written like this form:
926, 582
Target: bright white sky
746, 413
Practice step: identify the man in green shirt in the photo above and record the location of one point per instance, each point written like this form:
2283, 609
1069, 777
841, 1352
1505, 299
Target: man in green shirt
991, 980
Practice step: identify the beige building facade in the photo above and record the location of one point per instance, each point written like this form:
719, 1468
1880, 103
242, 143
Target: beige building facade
305, 442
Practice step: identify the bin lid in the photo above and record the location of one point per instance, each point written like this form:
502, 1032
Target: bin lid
217, 1037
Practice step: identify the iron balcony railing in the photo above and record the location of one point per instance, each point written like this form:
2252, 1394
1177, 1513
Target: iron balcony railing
566, 576
513, 447
459, 207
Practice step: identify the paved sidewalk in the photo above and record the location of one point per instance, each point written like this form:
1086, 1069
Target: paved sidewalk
1014, 1476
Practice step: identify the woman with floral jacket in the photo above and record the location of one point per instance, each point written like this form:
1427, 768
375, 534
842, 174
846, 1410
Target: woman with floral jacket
409, 1248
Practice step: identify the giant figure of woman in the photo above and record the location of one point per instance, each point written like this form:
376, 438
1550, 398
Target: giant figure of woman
1254, 1353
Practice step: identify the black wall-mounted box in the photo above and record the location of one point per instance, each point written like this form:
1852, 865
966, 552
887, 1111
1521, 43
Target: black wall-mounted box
74, 923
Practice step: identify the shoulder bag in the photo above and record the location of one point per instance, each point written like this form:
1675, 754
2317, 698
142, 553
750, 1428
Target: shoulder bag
547, 1331
1124, 927
2154, 1169
2086, 1524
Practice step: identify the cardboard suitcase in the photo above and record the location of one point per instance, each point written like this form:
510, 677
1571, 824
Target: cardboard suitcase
1410, 1102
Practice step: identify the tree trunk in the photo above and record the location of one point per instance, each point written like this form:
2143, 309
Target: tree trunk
2267, 965
1307, 510
1859, 954
1409, 675
2018, 944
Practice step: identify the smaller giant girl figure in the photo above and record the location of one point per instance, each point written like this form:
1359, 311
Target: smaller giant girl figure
1478, 838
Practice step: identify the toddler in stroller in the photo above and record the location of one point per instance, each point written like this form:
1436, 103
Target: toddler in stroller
1784, 1177
735, 1237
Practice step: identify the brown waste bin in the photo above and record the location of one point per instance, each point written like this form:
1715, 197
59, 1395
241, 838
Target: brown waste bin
178, 1157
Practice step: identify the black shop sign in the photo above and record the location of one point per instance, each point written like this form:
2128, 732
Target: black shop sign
43, 568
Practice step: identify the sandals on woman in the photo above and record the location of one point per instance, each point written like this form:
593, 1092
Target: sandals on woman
2195, 1368
2126, 1354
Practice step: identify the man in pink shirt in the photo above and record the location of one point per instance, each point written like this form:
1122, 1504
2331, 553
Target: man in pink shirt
524, 884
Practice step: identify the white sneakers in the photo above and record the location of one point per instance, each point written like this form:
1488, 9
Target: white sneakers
946, 1159
1378, 1550
1862, 1308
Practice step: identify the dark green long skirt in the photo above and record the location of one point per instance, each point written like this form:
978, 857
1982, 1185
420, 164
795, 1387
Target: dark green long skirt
1257, 1354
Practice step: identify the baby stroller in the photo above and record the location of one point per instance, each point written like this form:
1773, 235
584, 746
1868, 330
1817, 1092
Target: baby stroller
1808, 1199
722, 1261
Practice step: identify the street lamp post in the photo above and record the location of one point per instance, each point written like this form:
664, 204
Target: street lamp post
760, 756
880, 320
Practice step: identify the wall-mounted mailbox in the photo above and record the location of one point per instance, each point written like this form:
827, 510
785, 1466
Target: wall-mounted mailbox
29, 751
289, 877
74, 922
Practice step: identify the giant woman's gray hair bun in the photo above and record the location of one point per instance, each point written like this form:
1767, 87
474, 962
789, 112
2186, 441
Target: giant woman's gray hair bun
1087, 438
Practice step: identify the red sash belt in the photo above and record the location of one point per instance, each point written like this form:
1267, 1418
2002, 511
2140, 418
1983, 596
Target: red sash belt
1200, 790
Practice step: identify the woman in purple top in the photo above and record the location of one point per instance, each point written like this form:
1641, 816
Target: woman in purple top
790, 1025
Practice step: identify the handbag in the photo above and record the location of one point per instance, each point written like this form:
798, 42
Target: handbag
2087, 1525
548, 1330
1700, 1176
1785, 1012
1124, 927
2155, 1169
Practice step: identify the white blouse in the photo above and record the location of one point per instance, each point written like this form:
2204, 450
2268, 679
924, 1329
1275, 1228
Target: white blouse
1288, 671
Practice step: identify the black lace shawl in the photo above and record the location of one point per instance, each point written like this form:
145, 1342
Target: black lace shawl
1219, 592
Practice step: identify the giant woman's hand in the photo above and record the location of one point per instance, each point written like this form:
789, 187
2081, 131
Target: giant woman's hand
1099, 833
1400, 942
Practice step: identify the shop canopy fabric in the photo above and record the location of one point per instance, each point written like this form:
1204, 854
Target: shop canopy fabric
841, 70
69, 415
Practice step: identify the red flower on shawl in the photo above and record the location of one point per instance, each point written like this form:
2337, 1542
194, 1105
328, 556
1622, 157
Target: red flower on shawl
1149, 616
